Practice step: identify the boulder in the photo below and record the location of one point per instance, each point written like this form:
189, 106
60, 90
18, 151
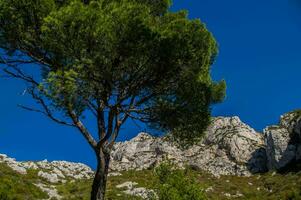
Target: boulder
130, 189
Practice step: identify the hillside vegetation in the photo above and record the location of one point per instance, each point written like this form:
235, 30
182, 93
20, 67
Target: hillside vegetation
14, 186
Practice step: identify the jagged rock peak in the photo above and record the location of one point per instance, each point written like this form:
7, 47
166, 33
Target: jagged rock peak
283, 142
225, 127
228, 147
291, 121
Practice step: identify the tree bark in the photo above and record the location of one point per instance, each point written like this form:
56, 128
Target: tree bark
100, 179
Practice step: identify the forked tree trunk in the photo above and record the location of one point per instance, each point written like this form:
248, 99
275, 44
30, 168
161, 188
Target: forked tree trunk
100, 179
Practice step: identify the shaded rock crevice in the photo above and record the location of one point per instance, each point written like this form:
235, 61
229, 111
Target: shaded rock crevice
283, 143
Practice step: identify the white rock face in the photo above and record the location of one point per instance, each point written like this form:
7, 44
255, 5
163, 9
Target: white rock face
50, 177
238, 138
283, 144
130, 189
142, 152
127, 184
53, 172
114, 174
229, 147
12, 163
50, 190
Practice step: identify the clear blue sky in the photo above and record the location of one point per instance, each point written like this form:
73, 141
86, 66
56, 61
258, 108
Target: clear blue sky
260, 58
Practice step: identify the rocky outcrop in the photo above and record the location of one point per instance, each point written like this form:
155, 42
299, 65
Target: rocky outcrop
54, 172
131, 189
50, 172
50, 190
229, 147
283, 143
12, 163
142, 152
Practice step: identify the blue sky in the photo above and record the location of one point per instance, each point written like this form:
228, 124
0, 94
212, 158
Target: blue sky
260, 58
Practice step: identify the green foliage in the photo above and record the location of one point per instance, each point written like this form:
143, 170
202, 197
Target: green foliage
14, 186
176, 185
111, 52
79, 190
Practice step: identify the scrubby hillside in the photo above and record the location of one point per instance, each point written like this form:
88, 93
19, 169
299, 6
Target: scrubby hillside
15, 186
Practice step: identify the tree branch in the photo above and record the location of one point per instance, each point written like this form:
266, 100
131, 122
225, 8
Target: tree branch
16, 72
110, 127
47, 114
116, 131
80, 126
101, 121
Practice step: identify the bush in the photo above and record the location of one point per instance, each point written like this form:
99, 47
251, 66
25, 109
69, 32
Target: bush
173, 184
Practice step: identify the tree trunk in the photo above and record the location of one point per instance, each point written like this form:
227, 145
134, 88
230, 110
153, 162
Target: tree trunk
100, 179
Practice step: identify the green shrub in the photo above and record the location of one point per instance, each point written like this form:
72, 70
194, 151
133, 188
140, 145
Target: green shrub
174, 184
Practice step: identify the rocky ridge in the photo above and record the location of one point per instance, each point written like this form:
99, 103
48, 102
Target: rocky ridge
229, 147
51, 172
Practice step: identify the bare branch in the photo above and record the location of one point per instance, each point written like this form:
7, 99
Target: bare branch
37, 57
14, 71
19, 74
92, 108
47, 114
80, 126
15, 61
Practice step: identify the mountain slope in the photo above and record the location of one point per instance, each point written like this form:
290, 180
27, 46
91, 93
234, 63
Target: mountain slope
231, 162
17, 186
269, 186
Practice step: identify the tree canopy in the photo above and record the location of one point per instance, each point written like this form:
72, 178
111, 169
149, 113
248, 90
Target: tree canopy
133, 57
116, 59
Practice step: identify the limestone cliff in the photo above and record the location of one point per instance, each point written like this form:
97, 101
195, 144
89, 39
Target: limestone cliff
283, 142
229, 147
